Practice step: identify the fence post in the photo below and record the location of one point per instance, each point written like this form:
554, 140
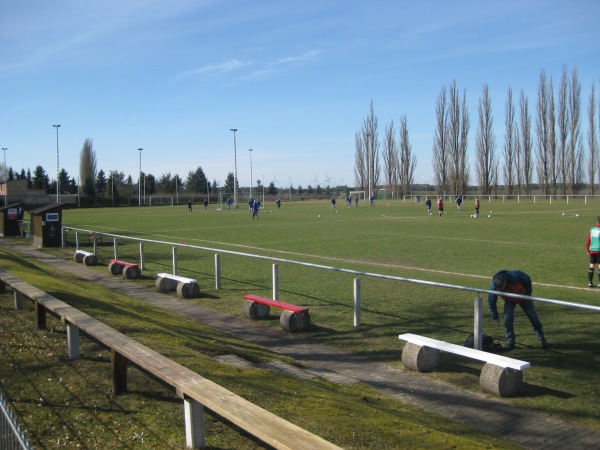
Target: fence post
116, 248
175, 261
95, 239
478, 323
275, 282
142, 265
77, 240
356, 302
217, 271
194, 423
73, 341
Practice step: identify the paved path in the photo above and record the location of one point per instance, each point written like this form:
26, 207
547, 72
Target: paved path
519, 426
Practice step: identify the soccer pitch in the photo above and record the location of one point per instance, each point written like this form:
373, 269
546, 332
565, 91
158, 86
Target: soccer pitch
545, 240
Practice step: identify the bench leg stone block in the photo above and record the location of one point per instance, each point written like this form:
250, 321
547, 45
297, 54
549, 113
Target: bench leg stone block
500, 381
188, 290
115, 269
165, 284
90, 260
294, 322
255, 310
78, 257
132, 272
420, 358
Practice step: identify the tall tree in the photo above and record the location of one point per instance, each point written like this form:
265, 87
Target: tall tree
370, 135
563, 129
408, 161
40, 179
229, 183
574, 152
525, 146
196, 181
390, 157
100, 183
486, 144
544, 155
457, 132
87, 168
440, 142
360, 166
592, 140
510, 153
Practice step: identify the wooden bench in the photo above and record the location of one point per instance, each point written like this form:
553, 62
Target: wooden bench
294, 318
501, 375
185, 287
128, 270
196, 391
87, 258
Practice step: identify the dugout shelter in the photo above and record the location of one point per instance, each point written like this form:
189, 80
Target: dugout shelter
46, 225
10, 220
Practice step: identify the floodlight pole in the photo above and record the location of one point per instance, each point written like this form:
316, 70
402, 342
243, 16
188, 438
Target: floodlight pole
5, 179
140, 179
369, 162
57, 126
250, 150
235, 201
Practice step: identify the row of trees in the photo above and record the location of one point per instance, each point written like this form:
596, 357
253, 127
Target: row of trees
553, 148
97, 186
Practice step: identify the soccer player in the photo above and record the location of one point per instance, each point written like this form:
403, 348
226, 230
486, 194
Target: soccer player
428, 204
440, 206
592, 245
476, 206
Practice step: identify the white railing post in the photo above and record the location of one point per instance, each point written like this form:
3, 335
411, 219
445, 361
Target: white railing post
478, 323
77, 240
115, 248
73, 341
95, 239
217, 271
356, 302
194, 423
175, 260
142, 265
275, 282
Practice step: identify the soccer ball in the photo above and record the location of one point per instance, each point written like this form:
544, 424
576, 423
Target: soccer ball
471, 216
429, 213
563, 214
489, 215
336, 211
319, 215
576, 215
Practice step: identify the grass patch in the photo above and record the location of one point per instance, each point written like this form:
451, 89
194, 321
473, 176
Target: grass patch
69, 403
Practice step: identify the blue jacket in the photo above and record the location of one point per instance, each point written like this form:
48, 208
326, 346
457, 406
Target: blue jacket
518, 283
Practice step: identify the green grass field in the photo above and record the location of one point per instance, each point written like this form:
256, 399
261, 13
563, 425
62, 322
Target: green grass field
542, 239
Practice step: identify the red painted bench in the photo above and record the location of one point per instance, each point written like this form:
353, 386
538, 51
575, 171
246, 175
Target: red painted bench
294, 318
128, 270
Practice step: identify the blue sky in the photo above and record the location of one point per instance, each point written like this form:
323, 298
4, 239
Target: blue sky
296, 78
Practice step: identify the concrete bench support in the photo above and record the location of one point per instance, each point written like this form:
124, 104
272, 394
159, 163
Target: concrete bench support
194, 423
73, 341
293, 318
87, 258
128, 270
40, 313
501, 376
18, 299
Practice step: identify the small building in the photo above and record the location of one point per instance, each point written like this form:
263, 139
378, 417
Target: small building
46, 225
11, 217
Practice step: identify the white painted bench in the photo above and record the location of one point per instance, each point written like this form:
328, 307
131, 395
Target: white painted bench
87, 258
185, 287
501, 375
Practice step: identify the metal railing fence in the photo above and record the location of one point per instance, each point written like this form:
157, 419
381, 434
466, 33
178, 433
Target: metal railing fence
11, 435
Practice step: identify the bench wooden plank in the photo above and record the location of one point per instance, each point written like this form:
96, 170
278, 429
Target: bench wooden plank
123, 263
480, 355
176, 277
268, 427
275, 303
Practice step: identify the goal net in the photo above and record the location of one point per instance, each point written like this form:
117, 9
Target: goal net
383, 194
220, 202
361, 195
161, 200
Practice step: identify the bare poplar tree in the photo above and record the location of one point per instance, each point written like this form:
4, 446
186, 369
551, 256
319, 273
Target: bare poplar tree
486, 143
526, 145
457, 131
510, 155
87, 168
552, 138
575, 152
390, 157
592, 140
360, 168
563, 128
408, 161
440, 143
370, 136
544, 162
